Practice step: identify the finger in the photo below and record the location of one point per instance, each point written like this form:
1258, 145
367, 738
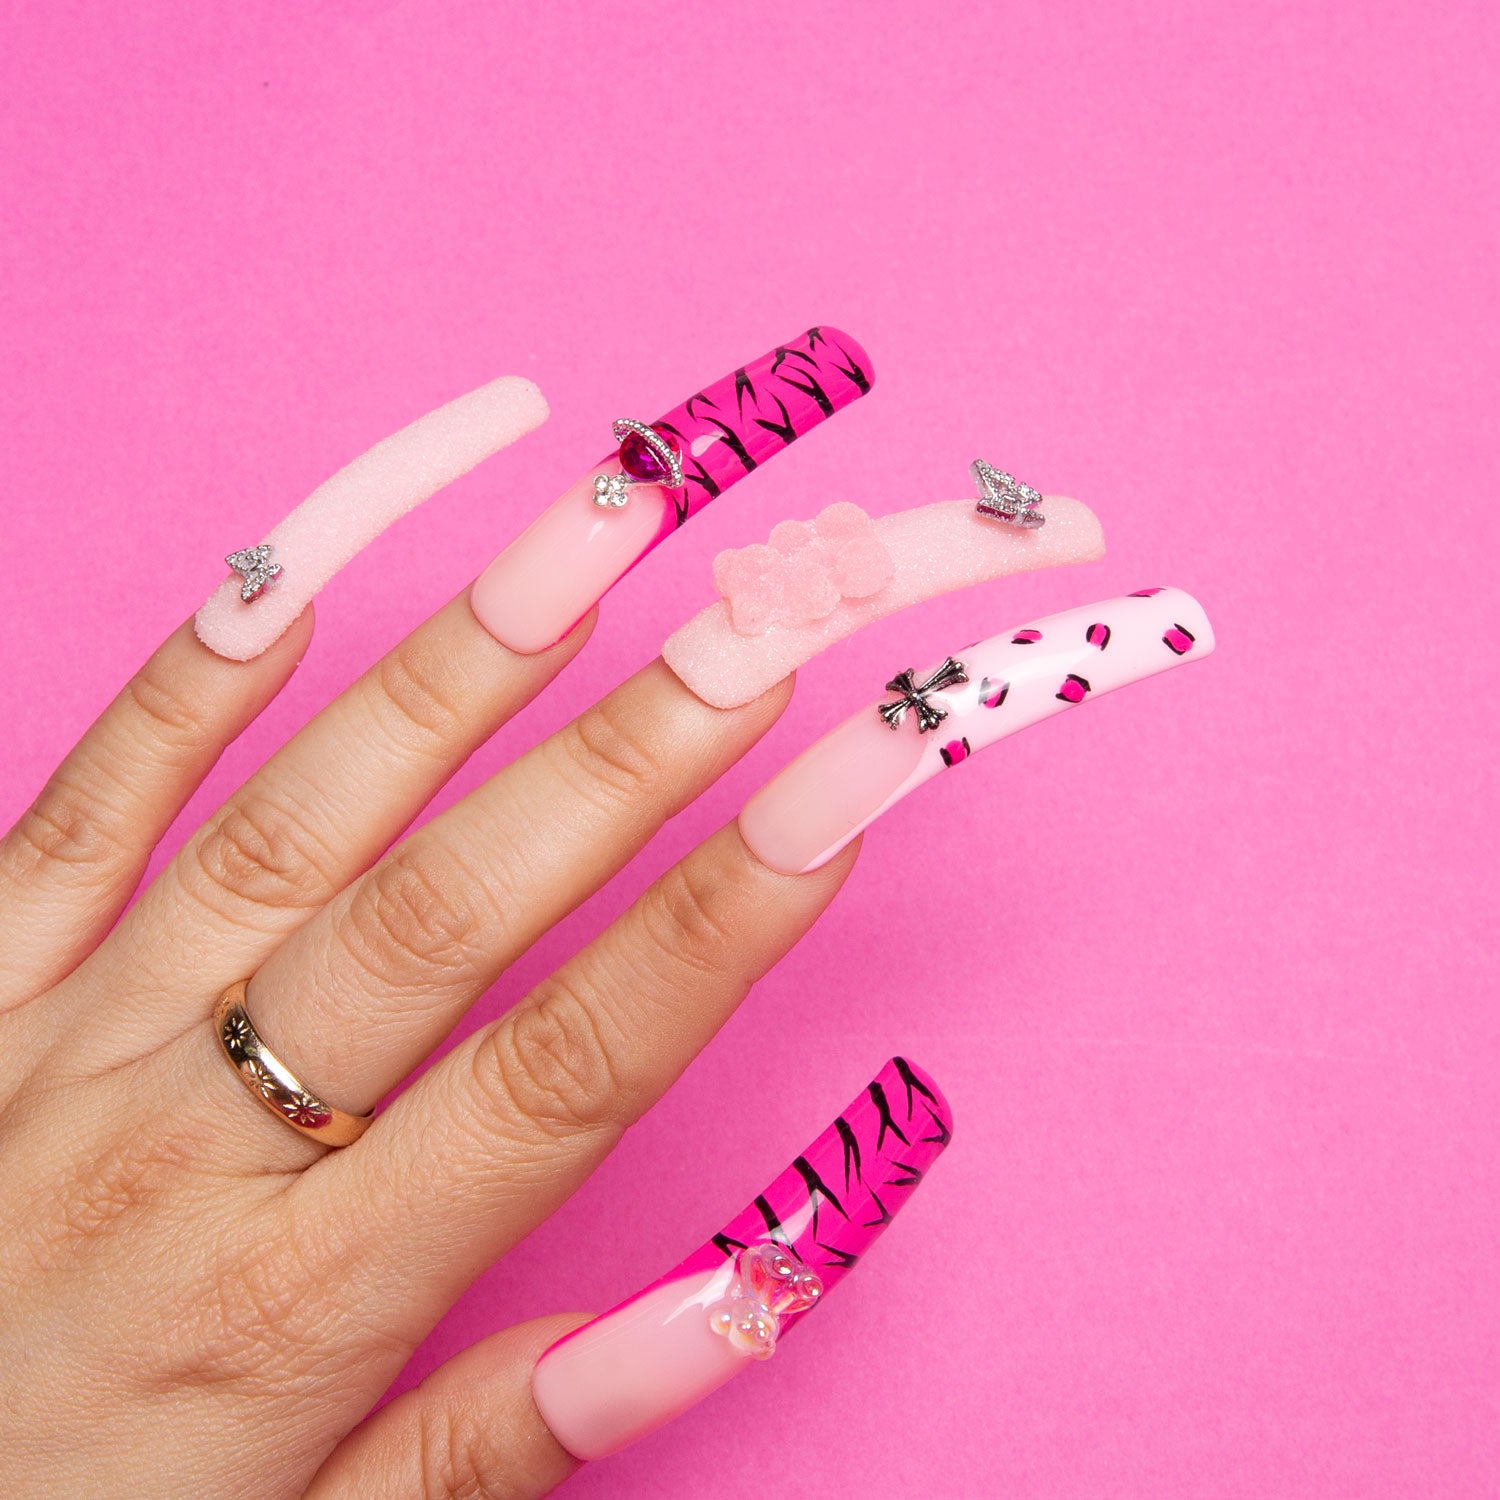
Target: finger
316, 815
74, 859
726, 1307
470, 1429
495, 1137
368, 988
319, 814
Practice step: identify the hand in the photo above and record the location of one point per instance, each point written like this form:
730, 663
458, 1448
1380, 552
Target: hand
202, 1301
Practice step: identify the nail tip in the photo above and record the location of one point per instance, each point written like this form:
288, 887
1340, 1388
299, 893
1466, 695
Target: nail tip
933, 550
214, 625
937, 1098
528, 407
853, 348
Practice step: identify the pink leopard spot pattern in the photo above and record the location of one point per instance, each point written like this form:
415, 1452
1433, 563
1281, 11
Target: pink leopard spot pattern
805, 570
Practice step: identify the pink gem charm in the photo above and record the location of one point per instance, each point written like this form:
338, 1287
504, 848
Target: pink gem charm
648, 456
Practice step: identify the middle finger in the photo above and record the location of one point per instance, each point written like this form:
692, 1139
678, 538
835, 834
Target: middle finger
359, 995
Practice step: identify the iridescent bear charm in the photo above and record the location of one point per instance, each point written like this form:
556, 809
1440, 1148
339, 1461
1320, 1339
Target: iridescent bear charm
769, 1283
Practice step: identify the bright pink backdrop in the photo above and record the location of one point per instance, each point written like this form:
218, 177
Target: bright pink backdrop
1207, 971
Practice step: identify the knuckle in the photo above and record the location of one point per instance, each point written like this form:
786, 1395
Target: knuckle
259, 1311
256, 853
166, 713
408, 913
550, 1063
689, 914
458, 1457
126, 1176
98, 1190
66, 827
607, 758
417, 699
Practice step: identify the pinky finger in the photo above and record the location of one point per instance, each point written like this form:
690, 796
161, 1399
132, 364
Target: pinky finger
76, 855
471, 1428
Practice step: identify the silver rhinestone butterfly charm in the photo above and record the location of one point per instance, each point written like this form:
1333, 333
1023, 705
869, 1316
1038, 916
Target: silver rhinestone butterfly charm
1004, 498
255, 567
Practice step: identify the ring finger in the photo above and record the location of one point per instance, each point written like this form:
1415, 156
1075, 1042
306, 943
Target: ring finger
362, 992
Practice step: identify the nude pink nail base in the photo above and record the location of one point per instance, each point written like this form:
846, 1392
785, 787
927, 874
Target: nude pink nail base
728, 1304
933, 721
549, 578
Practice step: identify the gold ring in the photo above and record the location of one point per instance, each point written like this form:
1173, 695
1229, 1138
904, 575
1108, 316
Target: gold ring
273, 1083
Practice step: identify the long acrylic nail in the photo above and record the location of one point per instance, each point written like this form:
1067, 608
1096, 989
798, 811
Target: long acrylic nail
934, 720
818, 581
541, 585
734, 1298
277, 577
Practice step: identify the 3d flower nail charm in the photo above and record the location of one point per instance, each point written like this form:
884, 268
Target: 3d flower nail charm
610, 490
804, 571
769, 1283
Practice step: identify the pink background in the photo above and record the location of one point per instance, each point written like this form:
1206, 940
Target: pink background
1207, 971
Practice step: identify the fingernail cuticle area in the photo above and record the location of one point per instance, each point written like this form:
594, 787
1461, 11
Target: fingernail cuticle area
533, 594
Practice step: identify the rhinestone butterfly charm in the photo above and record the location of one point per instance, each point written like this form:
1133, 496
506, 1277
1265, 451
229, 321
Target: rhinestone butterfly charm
254, 565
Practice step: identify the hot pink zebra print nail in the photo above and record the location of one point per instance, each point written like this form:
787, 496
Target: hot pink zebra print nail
533, 594
805, 815
733, 1299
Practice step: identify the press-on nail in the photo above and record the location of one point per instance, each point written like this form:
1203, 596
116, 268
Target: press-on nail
729, 1304
247, 613
785, 603
809, 811
533, 594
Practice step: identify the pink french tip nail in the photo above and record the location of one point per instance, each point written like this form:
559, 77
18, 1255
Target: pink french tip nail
729, 1304
804, 815
277, 577
661, 474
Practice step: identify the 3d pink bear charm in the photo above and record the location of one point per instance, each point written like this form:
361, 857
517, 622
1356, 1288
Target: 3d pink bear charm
769, 1283
805, 571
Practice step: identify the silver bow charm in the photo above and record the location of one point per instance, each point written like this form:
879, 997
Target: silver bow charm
254, 565
914, 696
